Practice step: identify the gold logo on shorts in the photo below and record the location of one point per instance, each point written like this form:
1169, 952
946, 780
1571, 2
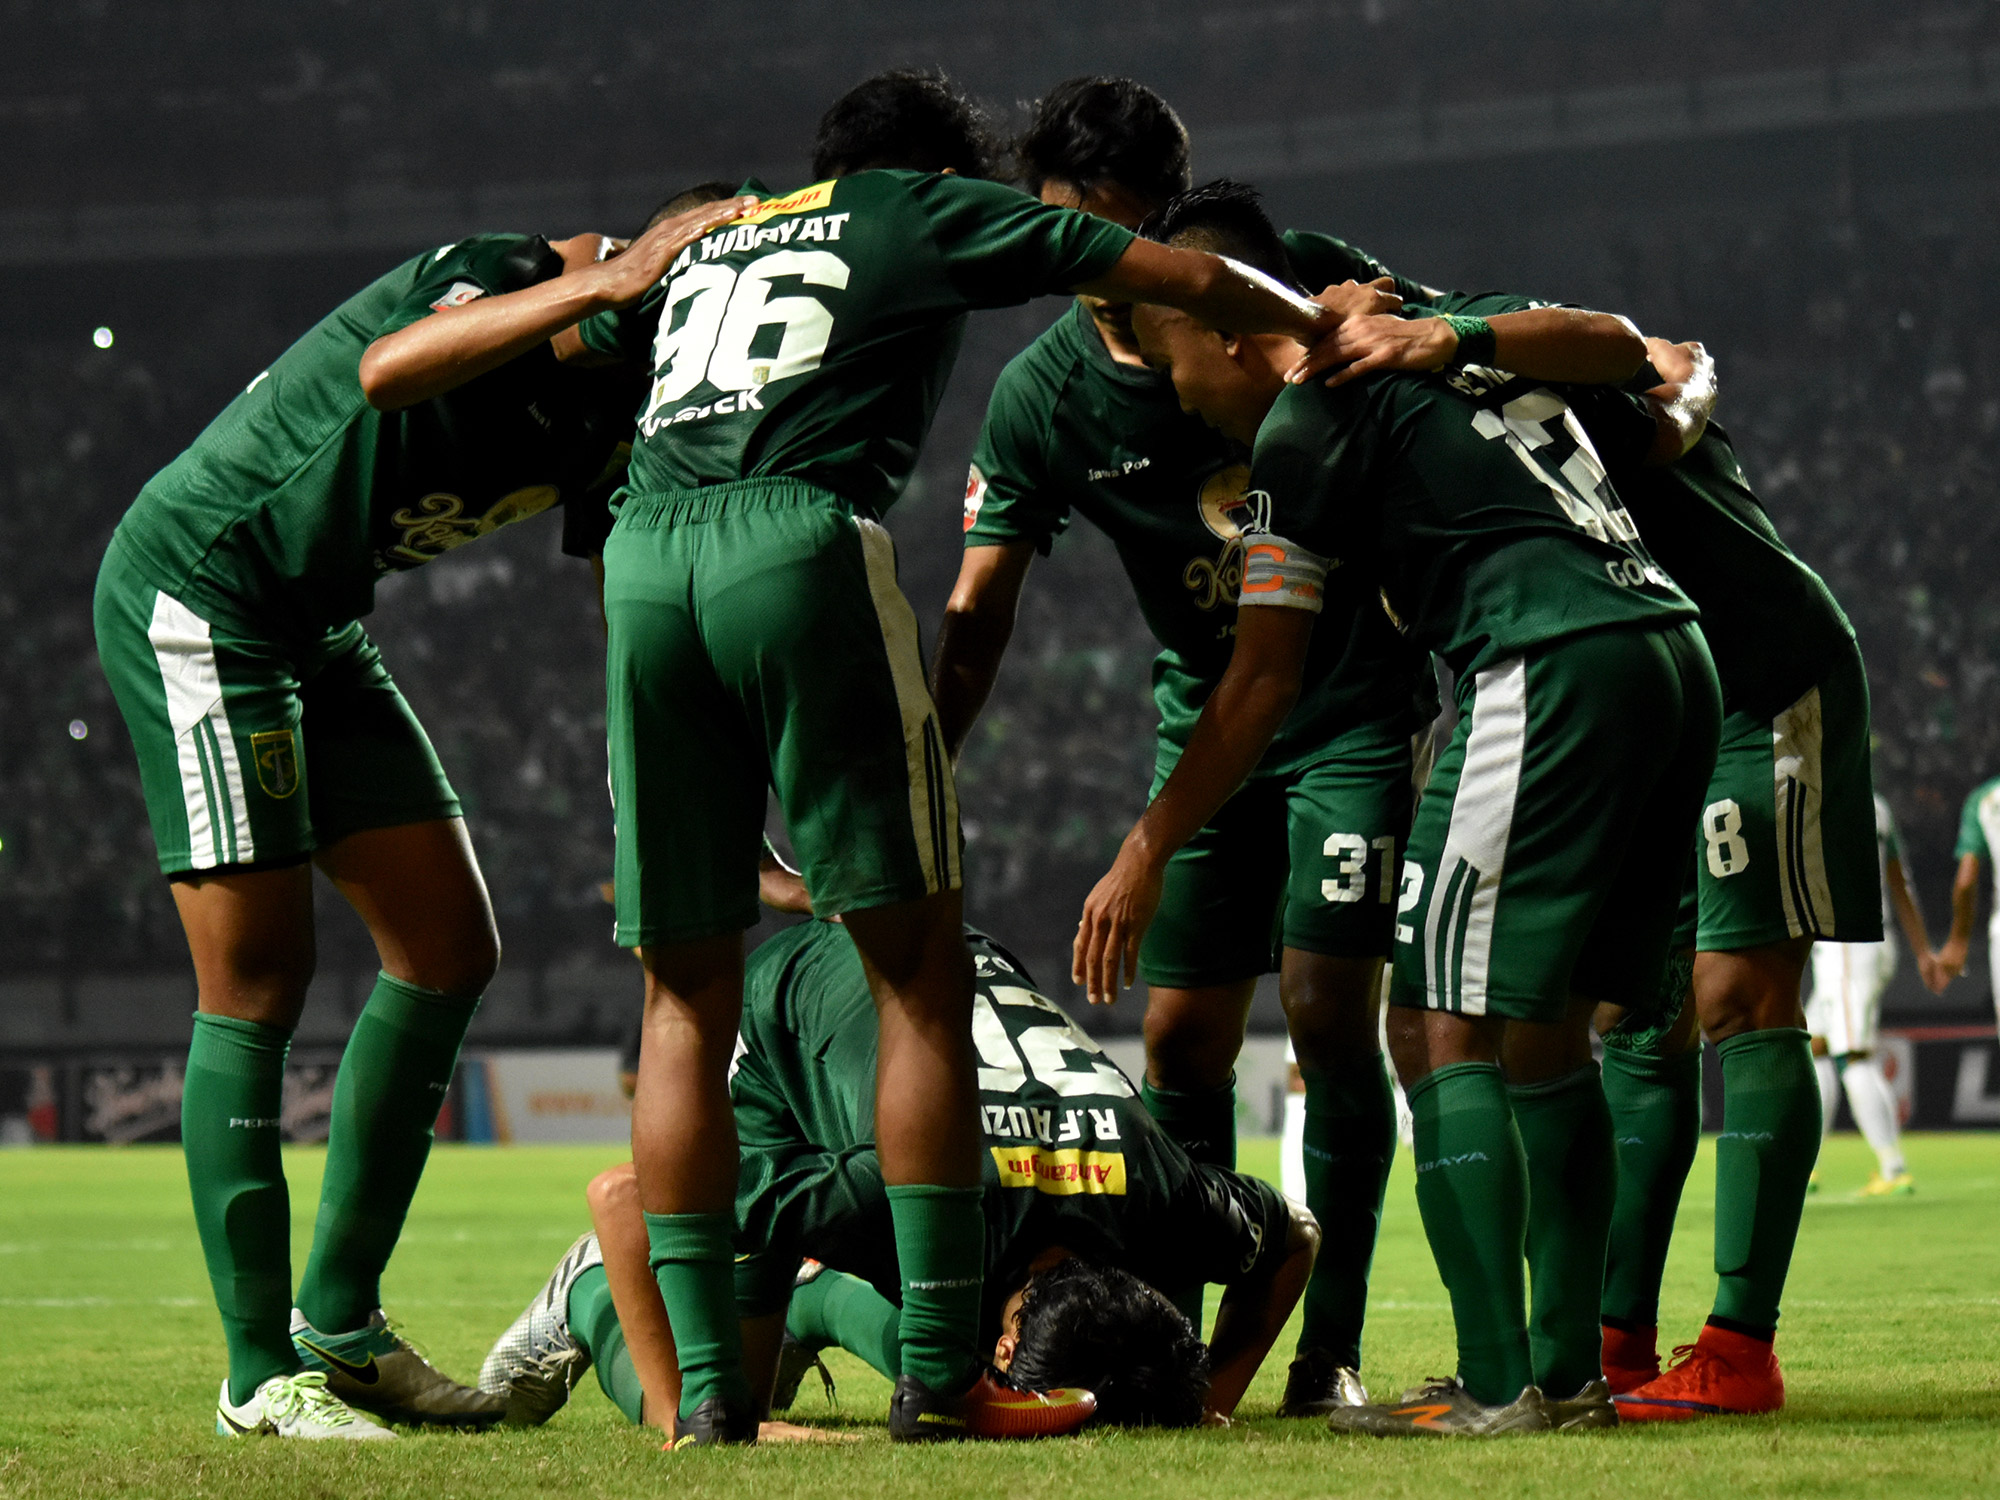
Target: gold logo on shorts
277, 757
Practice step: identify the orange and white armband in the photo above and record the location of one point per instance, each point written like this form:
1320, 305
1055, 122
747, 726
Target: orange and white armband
1276, 571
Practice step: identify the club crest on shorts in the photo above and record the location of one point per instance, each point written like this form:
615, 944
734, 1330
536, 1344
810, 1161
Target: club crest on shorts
277, 756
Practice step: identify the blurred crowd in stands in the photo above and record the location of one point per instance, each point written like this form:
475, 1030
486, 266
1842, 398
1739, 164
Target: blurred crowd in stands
1864, 401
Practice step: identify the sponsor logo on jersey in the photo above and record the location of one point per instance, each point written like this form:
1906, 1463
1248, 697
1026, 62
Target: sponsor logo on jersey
819, 195
1227, 509
276, 753
461, 293
1130, 466
438, 523
975, 495
749, 234
1061, 1174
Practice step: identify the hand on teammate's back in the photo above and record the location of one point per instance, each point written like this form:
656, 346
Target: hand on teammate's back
1378, 341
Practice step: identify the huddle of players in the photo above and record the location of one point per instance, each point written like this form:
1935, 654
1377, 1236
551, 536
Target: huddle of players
785, 356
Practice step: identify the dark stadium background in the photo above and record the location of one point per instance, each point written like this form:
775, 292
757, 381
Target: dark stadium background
1813, 189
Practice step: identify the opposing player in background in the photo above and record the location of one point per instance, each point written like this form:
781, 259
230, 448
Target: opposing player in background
1545, 860
271, 738
1844, 1016
1297, 873
1088, 1207
759, 642
1978, 833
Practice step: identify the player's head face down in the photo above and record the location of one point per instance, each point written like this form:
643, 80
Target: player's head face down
1229, 380
1078, 1323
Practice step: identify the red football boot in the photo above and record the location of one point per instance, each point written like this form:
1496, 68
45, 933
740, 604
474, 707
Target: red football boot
1721, 1374
1631, 1357
990, 1409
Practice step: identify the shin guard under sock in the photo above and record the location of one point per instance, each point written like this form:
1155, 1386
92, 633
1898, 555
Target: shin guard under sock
1763, 1158
242, 1211
392, 1081
1472, 1190
941, 1255
1350, 1143
693, 1260
1655, 1105
1572, 1180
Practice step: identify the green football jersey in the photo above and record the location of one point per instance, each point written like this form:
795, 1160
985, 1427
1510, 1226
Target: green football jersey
1072, 1158
1475, 502
300, 495
1979, 824
813, 339
1772, 624
1069, 430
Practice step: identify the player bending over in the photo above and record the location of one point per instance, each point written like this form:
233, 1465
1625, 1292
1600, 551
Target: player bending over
1088, 1207
759, 642
1297, 872
1545, 859
271, 738
1844, 1016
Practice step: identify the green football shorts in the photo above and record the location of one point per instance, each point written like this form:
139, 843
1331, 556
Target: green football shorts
759, 640
1300, 860
1787, 845
1550, 846
253, 750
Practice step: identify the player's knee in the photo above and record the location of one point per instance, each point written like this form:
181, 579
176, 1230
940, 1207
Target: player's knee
614, 1190
1187, 1053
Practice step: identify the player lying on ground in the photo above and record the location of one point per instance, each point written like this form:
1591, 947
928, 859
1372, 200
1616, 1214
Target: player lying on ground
1088, 1207
270, 738
1546, 856
1844, 1016
759, 643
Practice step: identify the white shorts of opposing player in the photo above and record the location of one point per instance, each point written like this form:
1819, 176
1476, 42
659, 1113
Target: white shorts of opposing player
1845, 1012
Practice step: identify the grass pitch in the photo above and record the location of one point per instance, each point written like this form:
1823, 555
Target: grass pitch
112, 1357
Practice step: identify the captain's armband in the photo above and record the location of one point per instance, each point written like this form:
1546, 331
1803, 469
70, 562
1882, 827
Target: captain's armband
1276, 571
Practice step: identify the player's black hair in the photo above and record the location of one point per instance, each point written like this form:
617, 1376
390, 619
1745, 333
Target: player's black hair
1087, 131
1088, 1325
1224, 218
904, 118
687, 198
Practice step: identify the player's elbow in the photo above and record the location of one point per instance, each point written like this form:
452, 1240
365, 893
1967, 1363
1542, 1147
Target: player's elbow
380, 386
1624, 349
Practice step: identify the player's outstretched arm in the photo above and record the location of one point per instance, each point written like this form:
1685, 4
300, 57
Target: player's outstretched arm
1237, 723
1253, 1314
978, 623
1684, 400
438, 353
1543, 343
1227, 294
1909, 915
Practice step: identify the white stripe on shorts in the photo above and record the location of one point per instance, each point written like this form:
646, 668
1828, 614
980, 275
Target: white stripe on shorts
1800, 784
1458, 927
933, 797
218, 814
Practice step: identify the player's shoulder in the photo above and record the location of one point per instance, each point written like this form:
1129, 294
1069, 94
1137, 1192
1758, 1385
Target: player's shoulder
1985, 798
1040, 374
510, 260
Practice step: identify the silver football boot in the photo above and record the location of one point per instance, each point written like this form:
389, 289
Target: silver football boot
537, 1362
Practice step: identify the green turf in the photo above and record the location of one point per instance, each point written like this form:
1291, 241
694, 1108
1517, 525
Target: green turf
112, 1358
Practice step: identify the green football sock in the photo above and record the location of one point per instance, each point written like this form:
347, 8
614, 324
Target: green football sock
941, 1254
837, 1309
693, 1259
1472, 1190
392, 1081
1655, 1105
1763, 1157
1350, 1143
593, 1322
1572, 1182
242, 1211
1203, 1124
